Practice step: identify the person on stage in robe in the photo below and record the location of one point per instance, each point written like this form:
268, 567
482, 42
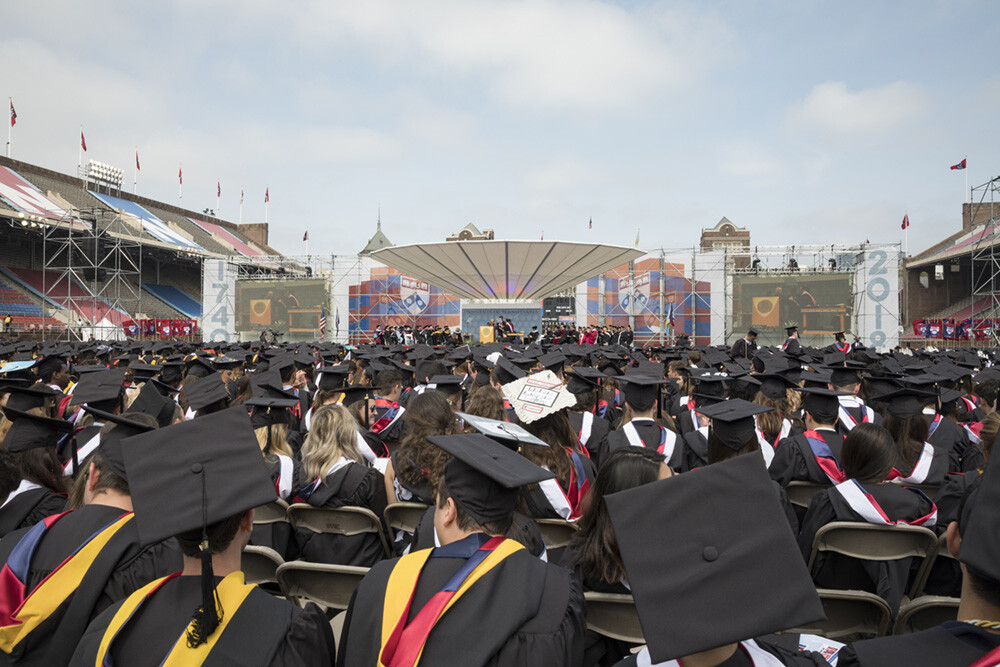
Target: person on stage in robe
479, 598
791, 345
200, 488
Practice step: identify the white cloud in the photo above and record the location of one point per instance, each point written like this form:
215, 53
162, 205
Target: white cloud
831, 106
564, 174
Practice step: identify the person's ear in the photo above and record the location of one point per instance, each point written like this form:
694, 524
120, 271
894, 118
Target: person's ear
953, 539
449, 514
246, 521
93, 475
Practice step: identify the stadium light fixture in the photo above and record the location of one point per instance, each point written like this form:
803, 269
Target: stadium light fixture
105, 174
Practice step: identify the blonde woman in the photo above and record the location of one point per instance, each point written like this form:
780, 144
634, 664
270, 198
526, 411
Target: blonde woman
340, 478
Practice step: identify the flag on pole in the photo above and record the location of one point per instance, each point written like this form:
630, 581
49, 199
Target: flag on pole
305, 237
591, 224
322, 321
180, 175
241, 196
13, 114
83, 141
336, 323
670, 314
137, 161
637, 237
218, 188
267, 195
960, 165
906, 221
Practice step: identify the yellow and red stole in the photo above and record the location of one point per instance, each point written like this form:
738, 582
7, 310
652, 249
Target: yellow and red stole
402, 642
232, 592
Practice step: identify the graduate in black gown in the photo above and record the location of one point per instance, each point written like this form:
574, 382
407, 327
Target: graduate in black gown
974, 639
99, 542
814, 455
704, 592
593, 553
746, 346
479, 599
590, 426
639, 427
868, 456
340, 477
33, 486
202, 488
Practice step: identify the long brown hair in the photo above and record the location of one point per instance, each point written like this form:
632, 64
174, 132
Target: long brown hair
909, 434
555, 430
417, 460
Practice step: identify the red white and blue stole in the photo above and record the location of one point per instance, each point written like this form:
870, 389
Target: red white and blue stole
934, 425
865, 506
846, 418
845, 348
393, 412
22, 612
578, 483
403, 642
920, 470
784, 346
668, 439
601, 409
232, 592
824, 457
586, 425
618, 398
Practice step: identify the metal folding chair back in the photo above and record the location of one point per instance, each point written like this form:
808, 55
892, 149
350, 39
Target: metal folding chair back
614, 615
260, 565
848, 614
556, 533
404, 516
337, 521
273, 512
924, 613
801, 493
330, 586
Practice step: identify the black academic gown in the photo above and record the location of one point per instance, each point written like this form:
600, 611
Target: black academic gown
794, 461
954, 440
695, 451
122, 568
887, 579
741, 658
523, 612
354, 485
945, 577
28, 508
598, 649
742, 349
649, 432
938, 472
265, 630
598, 430
951, 644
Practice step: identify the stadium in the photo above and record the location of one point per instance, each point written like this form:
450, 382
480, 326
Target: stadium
84, 259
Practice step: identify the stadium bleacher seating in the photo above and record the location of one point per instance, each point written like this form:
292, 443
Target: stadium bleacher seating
174, 298
59, 294
25, 313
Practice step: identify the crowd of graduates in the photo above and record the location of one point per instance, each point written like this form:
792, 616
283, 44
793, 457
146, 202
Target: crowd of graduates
697, 480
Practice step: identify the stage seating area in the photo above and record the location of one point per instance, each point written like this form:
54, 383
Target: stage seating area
174, 298
26, 313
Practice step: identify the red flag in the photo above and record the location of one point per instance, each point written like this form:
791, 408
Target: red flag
305, 237
906, 221
180, 175
267, 195
137, 161
591, 225
218, 188
83, 141
13, 114
241, 196
960, 165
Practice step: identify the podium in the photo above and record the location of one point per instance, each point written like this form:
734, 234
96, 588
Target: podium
486, 334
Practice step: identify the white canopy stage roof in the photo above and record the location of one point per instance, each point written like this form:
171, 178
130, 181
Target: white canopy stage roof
510, 270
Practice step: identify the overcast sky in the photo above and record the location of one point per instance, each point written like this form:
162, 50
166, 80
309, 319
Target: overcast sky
807, 122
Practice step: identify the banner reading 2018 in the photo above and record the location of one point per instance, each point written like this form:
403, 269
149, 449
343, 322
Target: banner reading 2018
878, 307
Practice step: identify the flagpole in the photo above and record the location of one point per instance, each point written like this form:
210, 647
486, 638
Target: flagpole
218, 199
180, 185
10, 129
135, 174
966, 195
241, 206
79, 159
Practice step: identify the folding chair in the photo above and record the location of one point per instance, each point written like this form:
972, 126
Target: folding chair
921, 581
850, 613
337, 521
273, 512
404, 516
614, 615
260, 565
801, 493
925, 612
556, 533
866, 541
328, 585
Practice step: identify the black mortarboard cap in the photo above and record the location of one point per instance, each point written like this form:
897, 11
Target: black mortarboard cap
905, 403
448, 384
483, 476
225, 362
205, 392
733, 421
195, 473
792, 329
110, 445
773, 385
583, 379
331, 377
144, 372
752, 332
640, 389
506, 371
37, 395
49, 364
841, 376
980, 550
30, 431
199, 367
102, 390
151, 402
736, 574
553, 361
820, 399
350, 395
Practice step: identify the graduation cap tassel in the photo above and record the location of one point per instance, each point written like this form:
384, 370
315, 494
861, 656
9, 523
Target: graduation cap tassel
207, 617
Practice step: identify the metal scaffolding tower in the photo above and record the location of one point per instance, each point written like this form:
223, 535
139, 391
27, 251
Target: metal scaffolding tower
985, 252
